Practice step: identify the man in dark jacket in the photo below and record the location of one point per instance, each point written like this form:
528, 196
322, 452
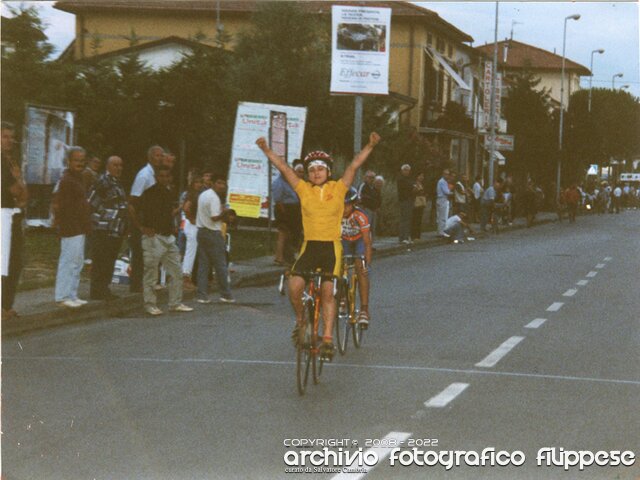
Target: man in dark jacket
405, 200
110, 224
14, 198
72, 219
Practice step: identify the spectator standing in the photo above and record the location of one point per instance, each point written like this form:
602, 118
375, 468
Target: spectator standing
14, 199
460, 195
211, 242
190, 209
91, 173
378, 184
572, 199
155, 222
72, 218
443, 194
370, 198
419, 204
288, 216
617, 198
110, 221
144, 180
477, 195
405, 200
529, 203
488, 203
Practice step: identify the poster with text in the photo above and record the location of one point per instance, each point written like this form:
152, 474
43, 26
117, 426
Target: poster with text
48, 131
360, 50
249, 169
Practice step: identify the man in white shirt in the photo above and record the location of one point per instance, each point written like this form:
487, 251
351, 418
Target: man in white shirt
475, 201
145, 178
617, 198
443, 194
211, 245
455, 227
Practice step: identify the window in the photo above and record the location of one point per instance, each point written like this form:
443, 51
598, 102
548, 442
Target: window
450, 51
429, 39
439, 45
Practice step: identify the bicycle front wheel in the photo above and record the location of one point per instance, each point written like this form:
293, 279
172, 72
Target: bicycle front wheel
304, 357
342, 325
355, 312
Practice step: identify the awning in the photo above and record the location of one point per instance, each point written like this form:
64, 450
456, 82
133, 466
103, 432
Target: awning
452, 73
499, 157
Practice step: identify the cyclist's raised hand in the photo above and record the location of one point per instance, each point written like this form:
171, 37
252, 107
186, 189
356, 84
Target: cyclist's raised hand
374, 139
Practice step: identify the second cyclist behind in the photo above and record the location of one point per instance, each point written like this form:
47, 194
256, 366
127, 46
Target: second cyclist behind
356, 242
322, 204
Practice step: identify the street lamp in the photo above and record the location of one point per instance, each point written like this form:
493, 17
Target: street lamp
613, 80
600, 50
623, 87
564, 44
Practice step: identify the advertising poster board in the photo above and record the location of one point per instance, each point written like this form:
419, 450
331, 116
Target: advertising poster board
48, 131
360, 39
249, 169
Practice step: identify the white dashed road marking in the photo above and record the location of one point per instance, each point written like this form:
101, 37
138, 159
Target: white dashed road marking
446, 396
495, 356
570, 293
535, 323
391, 441
554, 307
600, 265
592, 274
606, 259
582, 283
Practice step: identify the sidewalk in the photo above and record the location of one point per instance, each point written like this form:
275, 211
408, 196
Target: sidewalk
37, 309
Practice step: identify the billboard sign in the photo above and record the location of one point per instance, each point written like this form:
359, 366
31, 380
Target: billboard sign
360, 50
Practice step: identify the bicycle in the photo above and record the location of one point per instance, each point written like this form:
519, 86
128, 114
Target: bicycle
349, 305
308, 343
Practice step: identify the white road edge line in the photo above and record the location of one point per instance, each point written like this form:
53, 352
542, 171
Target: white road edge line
495, 356
592, 274
392, 438
446, 396
582, 283
570, 293
555, 306
535, 323
290, 364
600, 265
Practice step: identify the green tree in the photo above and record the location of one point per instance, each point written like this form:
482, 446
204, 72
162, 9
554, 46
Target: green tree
26, 73
609, 131
527, 111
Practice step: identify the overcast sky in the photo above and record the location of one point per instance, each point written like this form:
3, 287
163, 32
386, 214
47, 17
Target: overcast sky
611, 26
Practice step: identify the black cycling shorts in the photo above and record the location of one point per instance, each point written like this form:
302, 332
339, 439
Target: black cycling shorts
316, 255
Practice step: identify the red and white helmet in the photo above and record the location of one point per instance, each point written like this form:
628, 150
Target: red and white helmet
322, 158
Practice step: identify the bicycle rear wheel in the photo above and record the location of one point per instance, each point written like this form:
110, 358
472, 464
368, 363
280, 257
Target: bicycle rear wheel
316, 362
342, 325
304, 357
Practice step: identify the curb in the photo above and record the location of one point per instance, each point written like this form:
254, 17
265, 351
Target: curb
127, 304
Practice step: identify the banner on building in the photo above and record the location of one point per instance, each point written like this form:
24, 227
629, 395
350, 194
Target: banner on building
360, 50
48, 132
486, 93
249, 170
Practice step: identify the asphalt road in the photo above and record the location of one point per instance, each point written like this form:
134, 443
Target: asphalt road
518, 342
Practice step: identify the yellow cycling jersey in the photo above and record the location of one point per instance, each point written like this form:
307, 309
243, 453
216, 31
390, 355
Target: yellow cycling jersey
322, 209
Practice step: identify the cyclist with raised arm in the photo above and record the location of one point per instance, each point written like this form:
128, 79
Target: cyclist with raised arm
322, 203
356, 242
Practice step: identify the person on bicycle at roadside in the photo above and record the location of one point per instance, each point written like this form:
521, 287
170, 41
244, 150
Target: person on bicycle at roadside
356, 242
322, 203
